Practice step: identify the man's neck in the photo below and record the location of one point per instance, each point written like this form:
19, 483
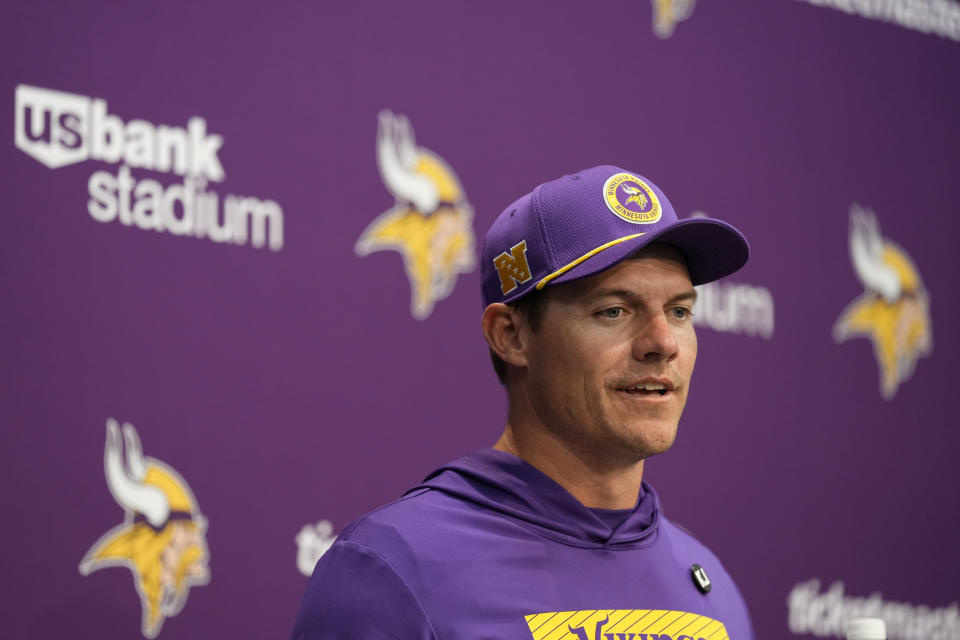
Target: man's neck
594, 482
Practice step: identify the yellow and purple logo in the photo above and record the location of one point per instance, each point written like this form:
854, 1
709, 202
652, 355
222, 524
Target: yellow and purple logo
431, 222
512, 267
631, 199
894, 309
624, 623
162, 539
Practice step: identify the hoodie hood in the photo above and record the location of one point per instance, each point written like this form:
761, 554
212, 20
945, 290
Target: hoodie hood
506, 484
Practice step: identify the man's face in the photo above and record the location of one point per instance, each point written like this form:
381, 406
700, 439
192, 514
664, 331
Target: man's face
609, 368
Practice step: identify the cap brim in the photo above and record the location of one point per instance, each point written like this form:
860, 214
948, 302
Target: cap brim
713, 249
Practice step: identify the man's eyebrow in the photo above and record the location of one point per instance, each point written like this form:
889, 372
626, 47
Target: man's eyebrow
626, 294
686, 295
611, 293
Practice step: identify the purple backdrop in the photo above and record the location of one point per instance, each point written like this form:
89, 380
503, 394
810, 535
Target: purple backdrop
283, 376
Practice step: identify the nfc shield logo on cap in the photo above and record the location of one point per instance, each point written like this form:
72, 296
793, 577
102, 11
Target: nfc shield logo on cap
631, 199
512, 267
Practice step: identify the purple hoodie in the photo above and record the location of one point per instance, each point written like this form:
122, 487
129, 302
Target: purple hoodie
489, 547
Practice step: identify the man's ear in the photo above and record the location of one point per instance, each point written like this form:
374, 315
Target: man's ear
505, 330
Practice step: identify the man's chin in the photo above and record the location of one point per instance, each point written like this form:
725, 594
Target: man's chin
650, 440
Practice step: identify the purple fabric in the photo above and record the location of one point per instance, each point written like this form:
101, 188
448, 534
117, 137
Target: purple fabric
487, 540
613, 518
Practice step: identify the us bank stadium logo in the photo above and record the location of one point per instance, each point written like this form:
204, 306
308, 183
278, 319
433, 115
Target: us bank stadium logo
893, 312
59, 129
431, 222
667, 13
162, 539
624, 624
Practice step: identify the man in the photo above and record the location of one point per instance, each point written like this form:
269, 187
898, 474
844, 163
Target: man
588, 283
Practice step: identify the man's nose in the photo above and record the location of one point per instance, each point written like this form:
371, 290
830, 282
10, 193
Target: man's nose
655, 339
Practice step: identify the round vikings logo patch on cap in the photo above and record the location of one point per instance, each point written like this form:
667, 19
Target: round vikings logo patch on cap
631, 199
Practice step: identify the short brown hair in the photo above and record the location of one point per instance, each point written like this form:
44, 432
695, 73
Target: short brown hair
531, 307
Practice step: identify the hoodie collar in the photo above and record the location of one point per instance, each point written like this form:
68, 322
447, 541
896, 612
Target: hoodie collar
505, 483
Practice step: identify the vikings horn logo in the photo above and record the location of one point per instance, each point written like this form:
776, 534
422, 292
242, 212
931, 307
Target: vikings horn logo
667, 13
635, 195
894, 311
430, 224
161, 539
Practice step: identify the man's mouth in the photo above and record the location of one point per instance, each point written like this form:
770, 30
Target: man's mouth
648, 389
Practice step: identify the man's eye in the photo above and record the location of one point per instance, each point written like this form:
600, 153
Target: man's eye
681, 313
613, 312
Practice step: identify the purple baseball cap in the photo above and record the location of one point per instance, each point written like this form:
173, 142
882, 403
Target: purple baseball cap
586, 222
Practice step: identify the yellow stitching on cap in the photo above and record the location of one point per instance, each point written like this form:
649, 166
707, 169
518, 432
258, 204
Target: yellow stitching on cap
562, 270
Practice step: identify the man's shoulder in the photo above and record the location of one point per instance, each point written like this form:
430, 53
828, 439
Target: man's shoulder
424, 534
405, 515
410, 524
454, 500
682, 538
